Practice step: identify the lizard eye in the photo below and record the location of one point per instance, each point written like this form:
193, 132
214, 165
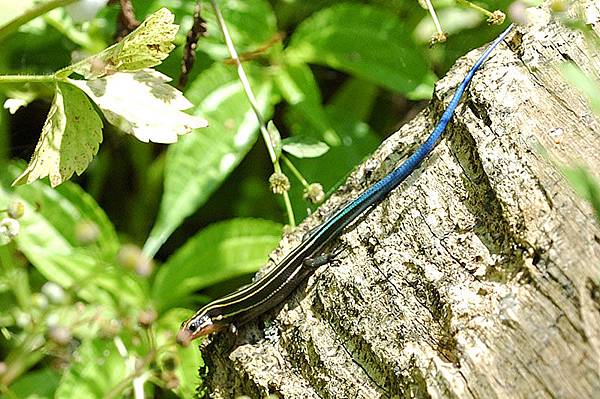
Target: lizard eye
193, 326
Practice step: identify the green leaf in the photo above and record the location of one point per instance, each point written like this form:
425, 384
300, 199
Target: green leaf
346, 111
36, 384
220, 252
275, 137
251, 24
584, 83
69, 140
96, 369
142, 104
197, 165
343, 37
4, 133
354, 100
304, 147
48, 240
190, 359
299, 87
585, 185
145, 47
66, 207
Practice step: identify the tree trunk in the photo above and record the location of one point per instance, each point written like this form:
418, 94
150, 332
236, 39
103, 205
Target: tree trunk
477, 277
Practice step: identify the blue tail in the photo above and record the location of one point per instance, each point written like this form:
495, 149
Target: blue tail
381, 189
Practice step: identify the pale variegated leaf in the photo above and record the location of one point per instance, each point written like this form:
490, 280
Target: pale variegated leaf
142, 104
69, 140
143, 48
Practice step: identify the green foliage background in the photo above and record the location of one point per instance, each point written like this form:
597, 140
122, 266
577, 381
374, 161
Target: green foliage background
86, 313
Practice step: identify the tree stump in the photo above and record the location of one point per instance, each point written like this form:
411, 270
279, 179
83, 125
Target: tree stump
478, 277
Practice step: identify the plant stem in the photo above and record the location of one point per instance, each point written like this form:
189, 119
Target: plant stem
140, 368
22, 358
436, 22
32, 13
475, 7
295, 171
28, 79
253, 103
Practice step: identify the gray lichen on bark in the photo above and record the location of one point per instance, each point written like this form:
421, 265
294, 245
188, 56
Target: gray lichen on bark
478, 277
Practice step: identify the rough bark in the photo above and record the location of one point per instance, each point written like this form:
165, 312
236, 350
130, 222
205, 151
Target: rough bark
478, 277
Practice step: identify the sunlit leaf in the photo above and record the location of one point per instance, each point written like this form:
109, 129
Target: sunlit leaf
585, 185
69, 139
143, 48
304, 147
219, 252
142, 104
584, 83
343, 37
274, 136
197, 165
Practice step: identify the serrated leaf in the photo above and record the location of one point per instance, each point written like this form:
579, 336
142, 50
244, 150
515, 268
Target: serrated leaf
197, 165
142, 104
145, 47
94, 372
69, 140
304, 147
342, 37
219, 252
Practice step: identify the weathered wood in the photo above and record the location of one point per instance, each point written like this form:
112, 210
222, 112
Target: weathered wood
478, 277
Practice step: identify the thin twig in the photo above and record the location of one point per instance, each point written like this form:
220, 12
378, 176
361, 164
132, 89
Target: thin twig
253, 103
126, 23
436, 22
189, 52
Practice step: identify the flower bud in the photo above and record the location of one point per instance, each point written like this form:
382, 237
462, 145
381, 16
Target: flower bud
39, 301
170, 379
9, 229
279, 183
147, 317
54, 292
314, 193
438, 37
87, 232
16, 209
60, 335
497, 18
131, 257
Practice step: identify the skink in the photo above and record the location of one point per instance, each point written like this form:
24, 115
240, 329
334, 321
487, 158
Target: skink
243, 305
